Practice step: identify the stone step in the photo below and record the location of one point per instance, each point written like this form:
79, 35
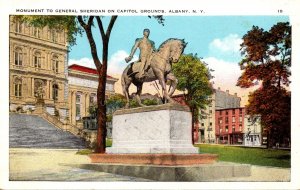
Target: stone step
34, 132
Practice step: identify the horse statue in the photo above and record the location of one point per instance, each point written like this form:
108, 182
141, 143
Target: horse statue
160, 64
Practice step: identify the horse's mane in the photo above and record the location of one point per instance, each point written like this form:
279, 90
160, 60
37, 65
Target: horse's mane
168, 40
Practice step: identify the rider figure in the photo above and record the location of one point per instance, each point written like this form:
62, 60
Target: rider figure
146, 47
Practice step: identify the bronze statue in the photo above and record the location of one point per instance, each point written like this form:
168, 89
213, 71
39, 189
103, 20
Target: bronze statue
146, 47
160, 63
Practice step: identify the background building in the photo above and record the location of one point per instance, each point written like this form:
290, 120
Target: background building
219, 100
83, 84
38, 66
230, 125
252, 131
41, 83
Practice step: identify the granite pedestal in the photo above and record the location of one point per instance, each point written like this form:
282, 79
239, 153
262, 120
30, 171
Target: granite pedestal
159, 129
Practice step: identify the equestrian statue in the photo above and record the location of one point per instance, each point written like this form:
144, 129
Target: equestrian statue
152, 65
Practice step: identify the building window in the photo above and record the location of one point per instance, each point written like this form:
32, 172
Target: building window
55, 92
36, 32
241, 119
226, 128
226, 119
210, 123
93, 98
220, 120
37, 60
202, 124
233, 119
18, 87
226, 112
109, 87
210, 111
18, 27
78, 105
18, 57
55, 64
233, 111
233, 128
241, 111
220, 112
53, 36
240, 127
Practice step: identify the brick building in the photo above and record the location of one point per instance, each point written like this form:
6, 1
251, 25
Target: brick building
230, 125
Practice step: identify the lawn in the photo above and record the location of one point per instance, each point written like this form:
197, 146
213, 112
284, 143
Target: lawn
246, 155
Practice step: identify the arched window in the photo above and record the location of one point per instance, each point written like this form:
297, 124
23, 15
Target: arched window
36, 32
18, 87
53, 35
37, 59
18, 57
93, 99
55, 64
18, 27
55, 92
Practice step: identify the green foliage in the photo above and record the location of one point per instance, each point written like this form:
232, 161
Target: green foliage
115, 102
109, 118
148, 102
108, 142
246, 155
193, 77
67, 24
84, 152
267, 61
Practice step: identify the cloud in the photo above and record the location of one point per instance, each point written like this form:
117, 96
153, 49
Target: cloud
224, 72
227, 48
226, 75
87, 62
116, 63
230, 43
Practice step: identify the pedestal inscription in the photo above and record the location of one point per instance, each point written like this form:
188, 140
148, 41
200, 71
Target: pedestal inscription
153, 129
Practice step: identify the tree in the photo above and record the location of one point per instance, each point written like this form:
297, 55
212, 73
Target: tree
267, 61
193, 79
77, 24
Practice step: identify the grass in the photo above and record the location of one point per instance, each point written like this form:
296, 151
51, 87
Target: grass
246, 155
90, 151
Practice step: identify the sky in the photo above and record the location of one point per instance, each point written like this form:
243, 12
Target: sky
216, 39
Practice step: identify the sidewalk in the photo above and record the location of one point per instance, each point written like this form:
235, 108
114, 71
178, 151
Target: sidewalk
56, 165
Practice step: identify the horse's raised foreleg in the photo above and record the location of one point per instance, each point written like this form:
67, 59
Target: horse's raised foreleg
174, 82
160, 76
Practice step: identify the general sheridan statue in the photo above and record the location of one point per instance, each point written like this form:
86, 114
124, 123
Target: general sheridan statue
146, 47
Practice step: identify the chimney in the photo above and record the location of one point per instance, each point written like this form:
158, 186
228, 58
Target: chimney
235, 94
227, 91
219, 88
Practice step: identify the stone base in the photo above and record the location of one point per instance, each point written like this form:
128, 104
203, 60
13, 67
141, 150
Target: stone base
196, 173
155, 159
160, 129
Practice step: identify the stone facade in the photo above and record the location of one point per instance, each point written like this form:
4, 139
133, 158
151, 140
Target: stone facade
162, 128
83, 84
37, 64
38, 70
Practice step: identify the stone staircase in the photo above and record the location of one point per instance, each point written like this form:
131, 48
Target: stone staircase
33, 131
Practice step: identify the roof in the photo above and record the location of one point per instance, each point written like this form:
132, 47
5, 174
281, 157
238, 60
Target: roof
85, 69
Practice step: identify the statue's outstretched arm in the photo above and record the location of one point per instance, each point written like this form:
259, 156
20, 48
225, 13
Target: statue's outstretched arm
133, 49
